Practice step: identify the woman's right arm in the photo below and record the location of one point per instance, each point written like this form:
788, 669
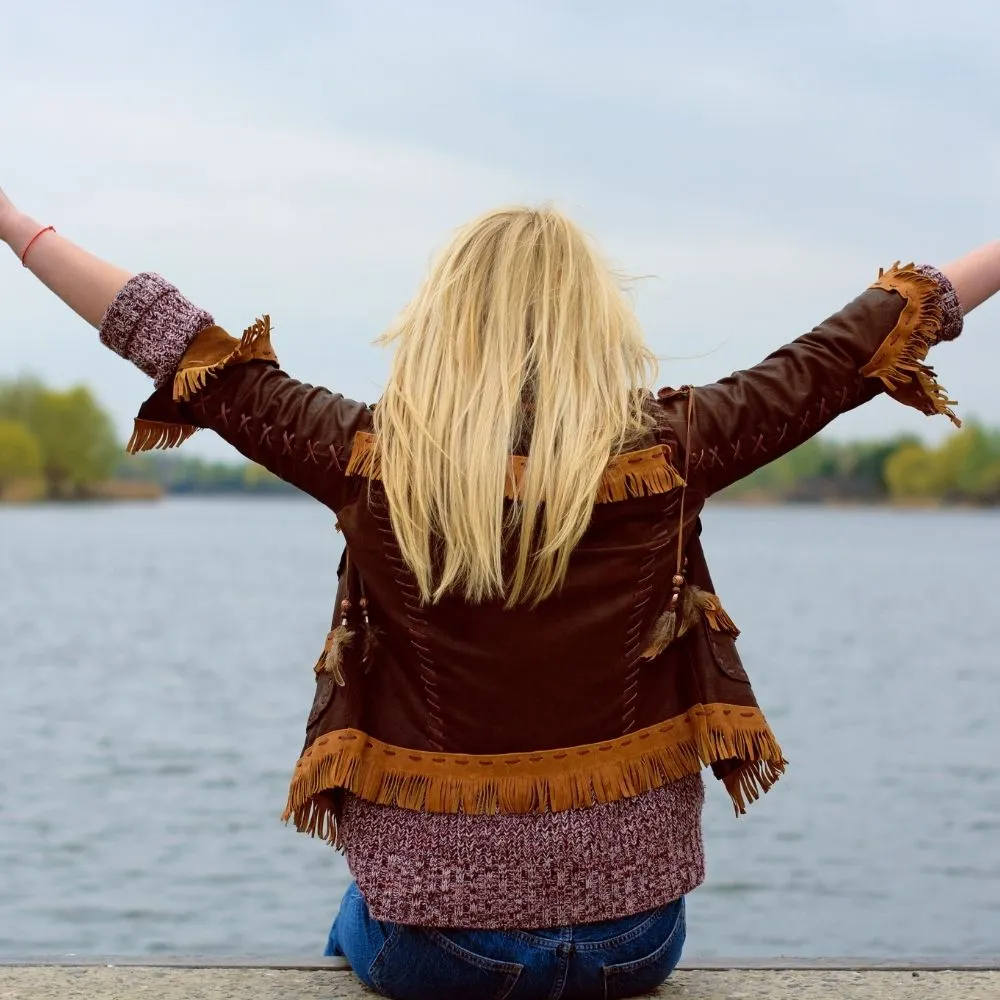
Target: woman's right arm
203, 376
877, 343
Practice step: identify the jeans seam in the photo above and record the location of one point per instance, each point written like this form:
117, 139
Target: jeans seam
562, 971
390, 937
552, 943
472, 958
631, 935
641, 963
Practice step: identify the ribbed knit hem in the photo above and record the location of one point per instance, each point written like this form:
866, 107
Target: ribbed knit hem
527, 871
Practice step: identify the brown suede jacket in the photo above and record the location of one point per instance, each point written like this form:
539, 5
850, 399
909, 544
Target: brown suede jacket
629, 677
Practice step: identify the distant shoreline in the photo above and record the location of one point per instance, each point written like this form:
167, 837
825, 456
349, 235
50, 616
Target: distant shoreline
129, 491
33, 494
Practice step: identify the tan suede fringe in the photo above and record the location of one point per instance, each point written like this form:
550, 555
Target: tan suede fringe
214, 349
211, 350
751, 780
550, 780
715, 614
631, 474
899, 361
150, 434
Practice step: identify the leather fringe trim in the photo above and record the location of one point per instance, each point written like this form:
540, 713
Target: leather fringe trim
148, 435
551, 780
214, 349
365, 459
639, 474
631, 474
715, 614
211, 350
751, 780
319, 819
899, 361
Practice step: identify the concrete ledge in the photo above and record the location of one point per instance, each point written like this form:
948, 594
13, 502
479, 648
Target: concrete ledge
313, 964
247, 981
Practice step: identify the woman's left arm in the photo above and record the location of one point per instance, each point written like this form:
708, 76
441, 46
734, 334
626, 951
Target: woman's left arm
203, 376
976, 276
877, 343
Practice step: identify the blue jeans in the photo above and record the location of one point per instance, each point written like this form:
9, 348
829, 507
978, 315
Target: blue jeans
617, 958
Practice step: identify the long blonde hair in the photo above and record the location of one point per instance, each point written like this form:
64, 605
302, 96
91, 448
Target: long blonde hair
520, 333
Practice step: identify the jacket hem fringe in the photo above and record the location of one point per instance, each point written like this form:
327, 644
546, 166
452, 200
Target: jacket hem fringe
546, 781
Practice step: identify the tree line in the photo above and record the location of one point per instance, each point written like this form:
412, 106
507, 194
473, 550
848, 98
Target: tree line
963, 469
66, 441
63, 438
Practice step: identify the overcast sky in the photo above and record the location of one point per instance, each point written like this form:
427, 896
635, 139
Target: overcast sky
304, 159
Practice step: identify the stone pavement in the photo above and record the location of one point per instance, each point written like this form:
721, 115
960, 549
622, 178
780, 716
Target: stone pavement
254, 982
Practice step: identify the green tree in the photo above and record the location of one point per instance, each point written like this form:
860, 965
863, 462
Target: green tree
76, 436
967, 460
865, 462
19, 399
78, 441
258, 479
20, 454
913, 473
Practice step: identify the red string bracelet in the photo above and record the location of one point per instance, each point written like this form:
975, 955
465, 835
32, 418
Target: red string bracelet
31, 242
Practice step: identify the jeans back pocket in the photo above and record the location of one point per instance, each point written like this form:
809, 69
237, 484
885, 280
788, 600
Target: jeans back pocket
424, 964
665, 941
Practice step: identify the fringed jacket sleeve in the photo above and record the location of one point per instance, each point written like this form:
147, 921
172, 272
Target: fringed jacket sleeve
206, 378
879, 342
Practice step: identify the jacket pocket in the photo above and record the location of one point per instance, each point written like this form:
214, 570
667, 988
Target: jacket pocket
417, 964
325, 683
325, 687
727, 657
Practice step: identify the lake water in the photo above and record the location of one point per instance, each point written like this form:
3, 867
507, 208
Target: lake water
156, 670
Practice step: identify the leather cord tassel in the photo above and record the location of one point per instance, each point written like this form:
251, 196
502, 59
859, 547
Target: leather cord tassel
337, 642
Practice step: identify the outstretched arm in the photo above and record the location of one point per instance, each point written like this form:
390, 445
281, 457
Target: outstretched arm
87, 284
877, 343
204, 377
976, 276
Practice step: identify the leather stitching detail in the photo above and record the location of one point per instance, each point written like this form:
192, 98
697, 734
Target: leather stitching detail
416, 620
634, 632
809, 422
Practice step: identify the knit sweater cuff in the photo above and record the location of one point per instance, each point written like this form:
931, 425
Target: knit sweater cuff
952, 316
151, 324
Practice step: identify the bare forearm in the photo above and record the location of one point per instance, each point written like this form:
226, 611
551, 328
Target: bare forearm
87, 284
976, 276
